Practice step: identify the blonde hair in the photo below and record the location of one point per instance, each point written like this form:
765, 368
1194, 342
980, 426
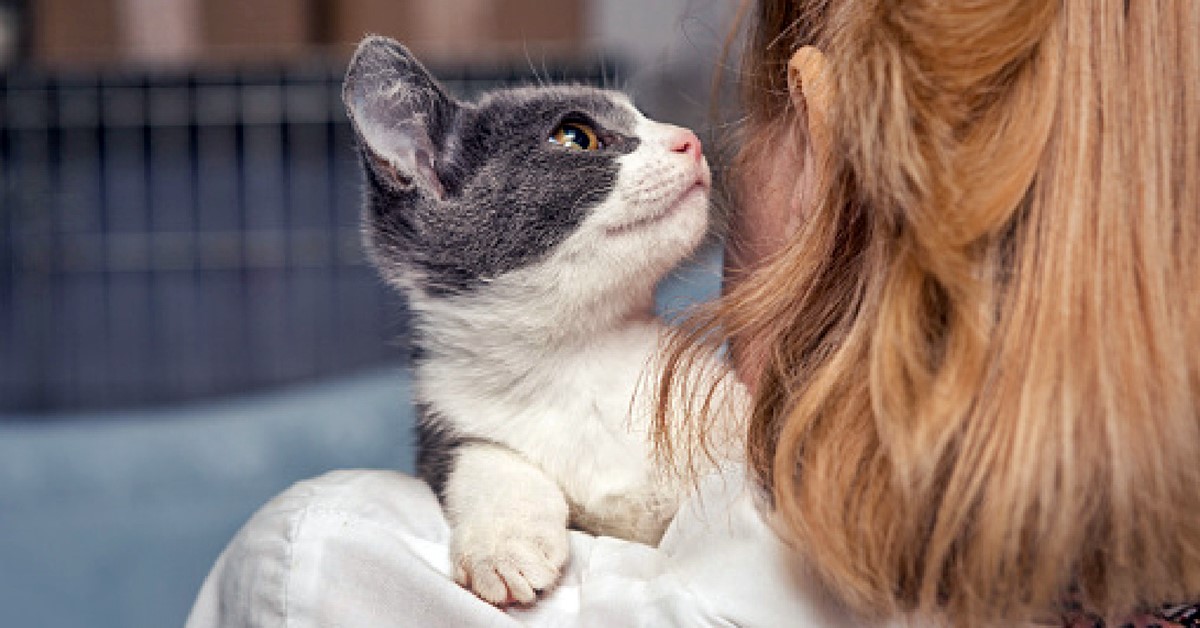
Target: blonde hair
981, 395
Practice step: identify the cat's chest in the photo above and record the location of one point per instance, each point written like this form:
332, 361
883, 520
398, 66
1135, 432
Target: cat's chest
580, 415
514, 398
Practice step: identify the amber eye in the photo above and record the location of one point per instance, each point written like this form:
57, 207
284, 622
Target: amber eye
576, 135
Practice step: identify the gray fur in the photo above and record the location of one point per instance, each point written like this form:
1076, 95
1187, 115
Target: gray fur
437, 448
458, 193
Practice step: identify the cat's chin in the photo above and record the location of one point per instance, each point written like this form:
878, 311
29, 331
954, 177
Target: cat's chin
691, 199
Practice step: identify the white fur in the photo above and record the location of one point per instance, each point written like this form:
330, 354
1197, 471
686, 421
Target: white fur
509, 542
547, 363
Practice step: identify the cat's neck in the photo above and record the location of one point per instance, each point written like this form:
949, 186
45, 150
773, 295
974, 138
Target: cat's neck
485, 328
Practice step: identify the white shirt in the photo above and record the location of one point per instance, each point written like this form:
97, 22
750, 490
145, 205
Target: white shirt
369, 549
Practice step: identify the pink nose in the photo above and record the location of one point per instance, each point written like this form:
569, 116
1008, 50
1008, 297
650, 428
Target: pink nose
685, 142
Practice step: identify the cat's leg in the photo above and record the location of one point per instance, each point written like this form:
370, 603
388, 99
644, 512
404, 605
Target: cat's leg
509, 522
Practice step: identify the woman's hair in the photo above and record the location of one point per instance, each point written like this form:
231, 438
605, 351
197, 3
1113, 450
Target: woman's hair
980, 396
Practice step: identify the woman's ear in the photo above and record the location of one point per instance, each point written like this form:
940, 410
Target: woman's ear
810, 89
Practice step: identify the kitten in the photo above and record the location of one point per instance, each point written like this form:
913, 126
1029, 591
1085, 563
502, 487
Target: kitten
528, 231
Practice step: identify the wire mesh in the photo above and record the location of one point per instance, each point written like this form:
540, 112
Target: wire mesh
170, 236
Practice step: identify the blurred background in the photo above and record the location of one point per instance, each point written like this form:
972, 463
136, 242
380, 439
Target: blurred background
187, 325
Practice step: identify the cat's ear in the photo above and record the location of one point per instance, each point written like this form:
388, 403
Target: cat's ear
400, 113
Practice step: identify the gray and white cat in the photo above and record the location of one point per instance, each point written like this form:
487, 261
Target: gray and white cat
528, 231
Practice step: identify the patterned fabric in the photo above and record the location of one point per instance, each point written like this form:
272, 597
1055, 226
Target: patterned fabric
1187, 615
1170, 616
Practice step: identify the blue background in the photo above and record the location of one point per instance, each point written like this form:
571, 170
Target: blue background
113, 519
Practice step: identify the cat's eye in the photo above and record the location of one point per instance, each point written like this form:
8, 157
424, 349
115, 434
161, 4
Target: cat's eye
576, 135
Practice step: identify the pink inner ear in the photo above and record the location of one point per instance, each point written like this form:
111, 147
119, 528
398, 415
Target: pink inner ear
401, 149
389, 169
424, 164
425, 171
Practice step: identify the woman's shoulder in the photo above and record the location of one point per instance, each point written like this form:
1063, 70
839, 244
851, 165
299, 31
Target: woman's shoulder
370, 548
722, 546
355, 547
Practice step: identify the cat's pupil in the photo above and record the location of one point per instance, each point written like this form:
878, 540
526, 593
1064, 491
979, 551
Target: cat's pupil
575, 135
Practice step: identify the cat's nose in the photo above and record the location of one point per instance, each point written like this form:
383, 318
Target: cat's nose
685, 142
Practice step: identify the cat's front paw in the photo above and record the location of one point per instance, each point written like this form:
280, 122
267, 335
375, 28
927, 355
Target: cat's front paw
508, 561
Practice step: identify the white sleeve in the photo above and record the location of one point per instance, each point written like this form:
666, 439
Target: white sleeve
369, 549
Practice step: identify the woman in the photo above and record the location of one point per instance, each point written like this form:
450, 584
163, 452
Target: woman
978, 394
963, 290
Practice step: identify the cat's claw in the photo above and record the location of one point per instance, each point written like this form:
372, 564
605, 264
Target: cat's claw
505, 564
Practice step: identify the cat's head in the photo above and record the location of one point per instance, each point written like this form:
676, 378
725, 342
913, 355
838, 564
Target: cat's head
547, 188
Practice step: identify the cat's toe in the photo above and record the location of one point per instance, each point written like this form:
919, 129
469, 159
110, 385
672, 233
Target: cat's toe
541, 575
520, 590
487, 584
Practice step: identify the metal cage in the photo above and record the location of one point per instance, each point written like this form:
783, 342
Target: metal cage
170, 236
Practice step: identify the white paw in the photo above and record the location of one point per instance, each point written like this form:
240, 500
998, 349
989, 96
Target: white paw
507, 561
